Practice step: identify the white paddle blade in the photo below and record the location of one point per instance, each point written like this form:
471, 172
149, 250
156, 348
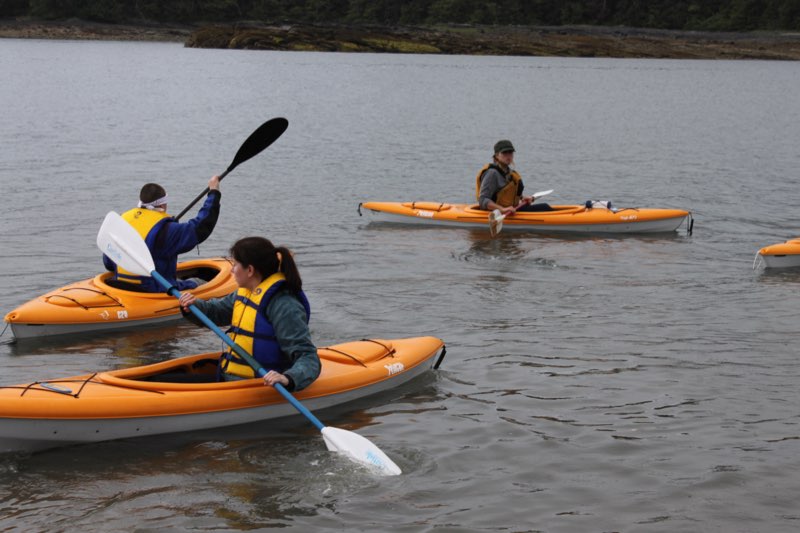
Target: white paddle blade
123, 245
359, 449
495, 222
542, 193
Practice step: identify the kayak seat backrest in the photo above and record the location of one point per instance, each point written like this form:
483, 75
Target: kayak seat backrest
361, 352
123, 286
206, 273
200, 371
205, 366
428, 206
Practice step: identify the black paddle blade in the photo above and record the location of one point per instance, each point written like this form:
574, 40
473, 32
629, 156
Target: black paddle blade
265, 135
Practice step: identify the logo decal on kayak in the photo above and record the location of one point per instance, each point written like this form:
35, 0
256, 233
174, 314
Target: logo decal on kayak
394, 368
104, 315
628, 217
426, 214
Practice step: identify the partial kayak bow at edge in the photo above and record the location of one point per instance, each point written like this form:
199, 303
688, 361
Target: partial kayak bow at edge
781, 255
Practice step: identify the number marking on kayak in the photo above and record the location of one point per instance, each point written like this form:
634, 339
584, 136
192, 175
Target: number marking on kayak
394, 368
122, 315
628, 217
426, 214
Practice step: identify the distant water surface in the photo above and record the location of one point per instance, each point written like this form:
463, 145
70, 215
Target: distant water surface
592, 383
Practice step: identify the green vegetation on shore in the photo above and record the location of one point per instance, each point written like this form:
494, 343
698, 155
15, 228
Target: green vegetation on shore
586, 28
583, 41
697, 15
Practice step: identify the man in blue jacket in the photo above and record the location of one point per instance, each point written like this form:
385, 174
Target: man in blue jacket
165, 236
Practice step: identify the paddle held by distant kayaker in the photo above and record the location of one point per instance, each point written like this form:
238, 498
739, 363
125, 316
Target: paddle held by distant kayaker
165, 237
499, 186
268, 315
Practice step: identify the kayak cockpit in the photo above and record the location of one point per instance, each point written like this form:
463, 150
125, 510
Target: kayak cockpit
555, 210
209, 274
193, 372
201, 371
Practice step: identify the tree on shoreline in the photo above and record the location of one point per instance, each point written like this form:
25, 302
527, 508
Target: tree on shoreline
712, 15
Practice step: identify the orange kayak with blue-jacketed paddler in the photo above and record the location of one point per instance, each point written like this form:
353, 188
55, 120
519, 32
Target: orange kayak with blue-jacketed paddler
96, 305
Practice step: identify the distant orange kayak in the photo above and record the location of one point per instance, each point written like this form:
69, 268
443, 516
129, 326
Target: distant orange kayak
182, 395
782, 255
564, 218
94, 305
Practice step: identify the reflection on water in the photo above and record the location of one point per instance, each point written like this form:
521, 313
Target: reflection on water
132, 348
483, 248
779, 276
244, 476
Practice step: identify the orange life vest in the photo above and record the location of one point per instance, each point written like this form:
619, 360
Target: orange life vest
510, 194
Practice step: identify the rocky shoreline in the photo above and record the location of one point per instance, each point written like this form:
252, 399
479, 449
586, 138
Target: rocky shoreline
74, 29
580, 41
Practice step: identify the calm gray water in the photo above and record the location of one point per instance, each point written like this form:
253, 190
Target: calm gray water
591, 383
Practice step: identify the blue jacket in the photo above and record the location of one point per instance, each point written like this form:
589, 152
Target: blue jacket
170, 238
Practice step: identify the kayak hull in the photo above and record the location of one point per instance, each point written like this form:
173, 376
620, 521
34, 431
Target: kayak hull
564, 218
783, 255
30, 331
128, 403
92, 305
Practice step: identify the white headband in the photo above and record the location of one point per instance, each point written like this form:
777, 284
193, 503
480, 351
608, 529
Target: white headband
155, 203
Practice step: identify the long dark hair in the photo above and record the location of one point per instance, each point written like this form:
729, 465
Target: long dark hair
267, 259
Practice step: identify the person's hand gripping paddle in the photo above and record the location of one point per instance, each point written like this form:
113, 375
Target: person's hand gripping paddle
496, 217
264, 135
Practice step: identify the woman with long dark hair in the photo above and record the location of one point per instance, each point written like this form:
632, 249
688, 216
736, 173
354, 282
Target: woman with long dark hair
268, 316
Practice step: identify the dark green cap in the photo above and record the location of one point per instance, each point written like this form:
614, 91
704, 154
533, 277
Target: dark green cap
503, 146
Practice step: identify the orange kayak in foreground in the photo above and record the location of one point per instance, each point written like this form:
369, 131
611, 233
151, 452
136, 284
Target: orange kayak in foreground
564, 218
162, 397
782, 255
94, 305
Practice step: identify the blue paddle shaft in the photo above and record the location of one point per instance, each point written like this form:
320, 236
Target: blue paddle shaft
172, 291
